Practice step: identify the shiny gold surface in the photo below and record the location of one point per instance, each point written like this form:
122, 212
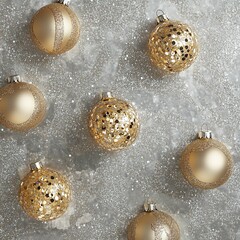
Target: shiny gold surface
154, 225
22, 106
55, 28
173, 46
206, 163
114, 124
44, 194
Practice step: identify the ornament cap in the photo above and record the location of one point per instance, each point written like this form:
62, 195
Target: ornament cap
65, 2
14, 79
105, 95
36, 166
150, 207
161, 16
205, 134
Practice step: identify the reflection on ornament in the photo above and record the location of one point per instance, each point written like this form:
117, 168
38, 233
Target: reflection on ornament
55, 28
44, 194
172, 45
153, 225
206, 163
113, 123
22, 105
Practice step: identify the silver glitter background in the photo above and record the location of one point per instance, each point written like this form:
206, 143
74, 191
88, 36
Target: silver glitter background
110, 188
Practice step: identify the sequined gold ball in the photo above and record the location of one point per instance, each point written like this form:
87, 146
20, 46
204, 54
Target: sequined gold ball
153, 225
114, 123
173, 46
55, 29
44, 194
206, 163
22, 106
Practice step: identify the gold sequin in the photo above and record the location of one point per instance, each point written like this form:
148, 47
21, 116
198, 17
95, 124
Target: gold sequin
44, 194
173, 46
114, 123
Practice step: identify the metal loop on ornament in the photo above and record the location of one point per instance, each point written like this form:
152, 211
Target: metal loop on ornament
160, 12
204, 125
65, 2
14, 79
161, 16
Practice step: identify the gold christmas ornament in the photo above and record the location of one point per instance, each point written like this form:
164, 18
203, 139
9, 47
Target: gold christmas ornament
44, 194
173, 45
22, 105
206, 163
153, 225
113, 123
55, 28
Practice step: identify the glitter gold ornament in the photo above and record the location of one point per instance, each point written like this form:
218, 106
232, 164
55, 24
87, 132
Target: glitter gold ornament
44, 194
55, 28
153, 225
173, 45
22, 105
206, 163
113, 123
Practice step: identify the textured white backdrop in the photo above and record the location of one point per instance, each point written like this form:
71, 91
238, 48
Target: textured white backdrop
109, 188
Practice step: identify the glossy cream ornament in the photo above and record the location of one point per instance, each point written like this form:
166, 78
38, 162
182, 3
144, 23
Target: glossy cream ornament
173, 45
55, 28
206, 163
44, 194
22, 105
153, 225
113, 123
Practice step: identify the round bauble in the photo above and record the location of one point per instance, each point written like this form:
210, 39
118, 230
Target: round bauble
173, 45
55, 29
44, 194
206, 163
153, 225
113, 123
22, 105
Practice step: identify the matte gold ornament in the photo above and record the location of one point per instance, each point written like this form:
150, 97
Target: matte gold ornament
113, 123
206, 163
55, 28
22, 105
173, 45
44, 194
153, 225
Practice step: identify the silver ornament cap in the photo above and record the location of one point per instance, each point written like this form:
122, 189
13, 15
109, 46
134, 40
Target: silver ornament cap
36, 166
14, 79
105, 95
205, 134
149, 207
65, 2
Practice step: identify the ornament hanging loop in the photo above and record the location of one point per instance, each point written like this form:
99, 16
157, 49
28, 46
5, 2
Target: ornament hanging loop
65, 2
161, 16
204, 127
14, 79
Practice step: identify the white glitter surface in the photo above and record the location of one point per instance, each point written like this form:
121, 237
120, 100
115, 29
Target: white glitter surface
110, 188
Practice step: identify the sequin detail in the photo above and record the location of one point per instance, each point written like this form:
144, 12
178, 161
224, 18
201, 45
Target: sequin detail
173, 46
44, 194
